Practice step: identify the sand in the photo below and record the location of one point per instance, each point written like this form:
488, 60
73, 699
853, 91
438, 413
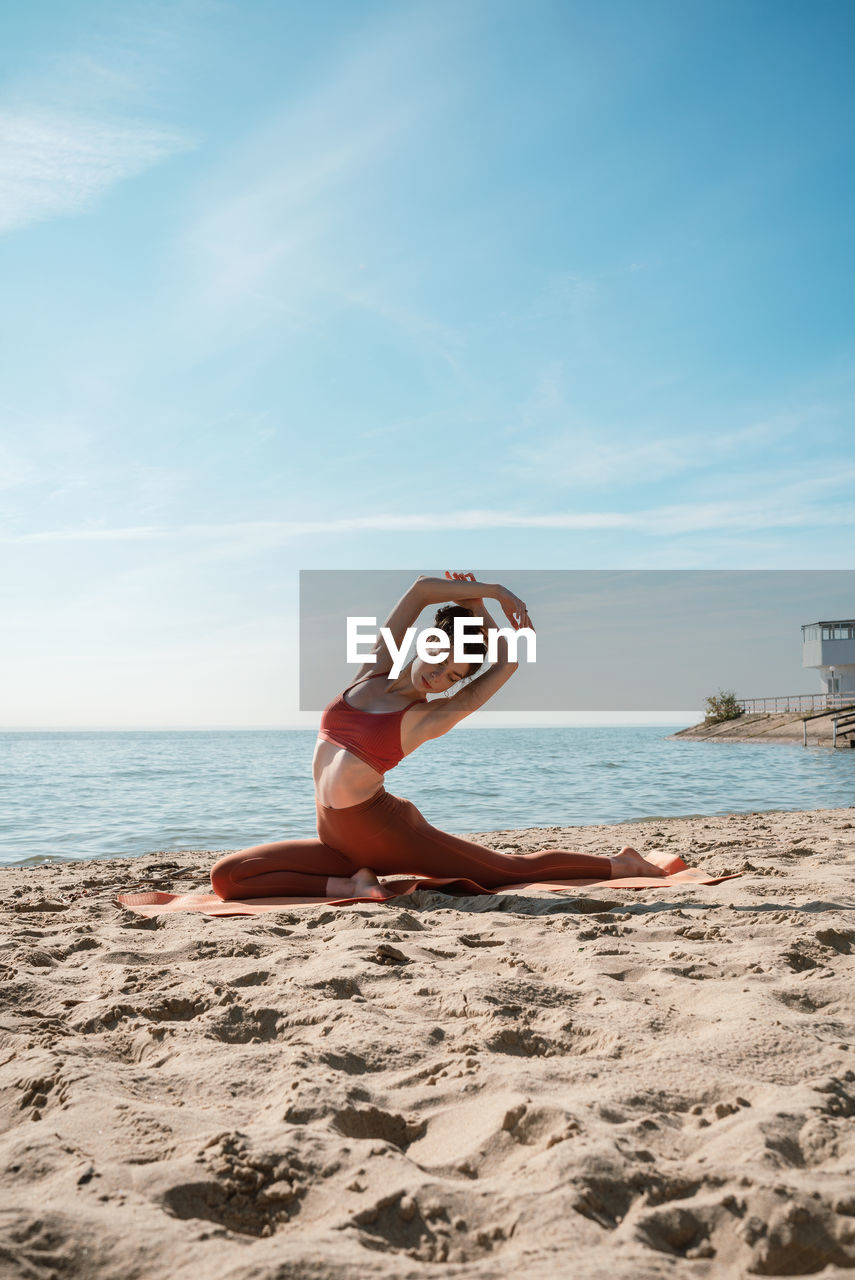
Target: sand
616, 1082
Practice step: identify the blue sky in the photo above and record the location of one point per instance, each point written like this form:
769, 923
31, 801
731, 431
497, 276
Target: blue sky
389, 285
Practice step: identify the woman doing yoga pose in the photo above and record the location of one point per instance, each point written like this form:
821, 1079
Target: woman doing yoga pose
367, 730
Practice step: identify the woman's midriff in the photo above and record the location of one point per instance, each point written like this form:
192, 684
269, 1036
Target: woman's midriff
342, 779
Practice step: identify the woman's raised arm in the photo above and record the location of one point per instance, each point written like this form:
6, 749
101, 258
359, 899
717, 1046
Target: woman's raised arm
447, 712
426, 591
439, 590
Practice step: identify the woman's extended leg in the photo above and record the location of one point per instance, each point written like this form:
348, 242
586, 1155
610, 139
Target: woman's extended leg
391, 836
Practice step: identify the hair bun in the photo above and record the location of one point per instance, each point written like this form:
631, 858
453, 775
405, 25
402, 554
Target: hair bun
448, 612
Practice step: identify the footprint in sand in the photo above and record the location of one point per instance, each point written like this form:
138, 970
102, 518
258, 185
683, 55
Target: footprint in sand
374, 1123
489, 1135
427, 1229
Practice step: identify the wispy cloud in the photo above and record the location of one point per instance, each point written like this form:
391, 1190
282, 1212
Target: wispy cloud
774, 511
579, 455
51, 164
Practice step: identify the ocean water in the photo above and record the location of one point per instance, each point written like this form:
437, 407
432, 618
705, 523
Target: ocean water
105, 794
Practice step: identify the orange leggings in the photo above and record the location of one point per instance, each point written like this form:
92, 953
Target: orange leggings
390, 836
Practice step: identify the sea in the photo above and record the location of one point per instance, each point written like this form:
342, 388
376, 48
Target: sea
89, 794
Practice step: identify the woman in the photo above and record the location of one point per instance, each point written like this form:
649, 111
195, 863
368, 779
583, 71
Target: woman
366, 731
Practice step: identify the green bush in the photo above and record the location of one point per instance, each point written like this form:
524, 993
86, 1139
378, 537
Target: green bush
722, 706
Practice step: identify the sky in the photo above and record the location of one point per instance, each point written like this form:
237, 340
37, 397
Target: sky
375, 285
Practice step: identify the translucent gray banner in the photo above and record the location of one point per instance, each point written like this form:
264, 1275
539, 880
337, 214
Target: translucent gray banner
607, 640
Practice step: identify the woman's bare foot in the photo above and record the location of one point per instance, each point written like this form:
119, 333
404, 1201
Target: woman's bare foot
629, 862
362, 884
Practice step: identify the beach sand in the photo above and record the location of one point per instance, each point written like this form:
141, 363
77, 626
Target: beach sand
636, 1083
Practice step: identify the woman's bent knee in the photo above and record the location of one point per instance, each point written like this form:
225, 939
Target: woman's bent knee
222, 878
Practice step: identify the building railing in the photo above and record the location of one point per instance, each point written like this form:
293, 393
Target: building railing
841, 727
798, 702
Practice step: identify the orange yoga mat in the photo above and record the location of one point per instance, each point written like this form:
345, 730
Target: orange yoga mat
158, 903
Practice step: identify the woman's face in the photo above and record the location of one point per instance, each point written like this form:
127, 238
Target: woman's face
437, 677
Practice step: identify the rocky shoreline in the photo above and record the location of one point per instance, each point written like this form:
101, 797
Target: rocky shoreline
778, 727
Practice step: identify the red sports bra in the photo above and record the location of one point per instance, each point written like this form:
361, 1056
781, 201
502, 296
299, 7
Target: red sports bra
373, 736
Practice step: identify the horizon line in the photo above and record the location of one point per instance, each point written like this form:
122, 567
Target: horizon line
673, 718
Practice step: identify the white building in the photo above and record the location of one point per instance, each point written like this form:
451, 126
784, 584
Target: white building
830, 646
